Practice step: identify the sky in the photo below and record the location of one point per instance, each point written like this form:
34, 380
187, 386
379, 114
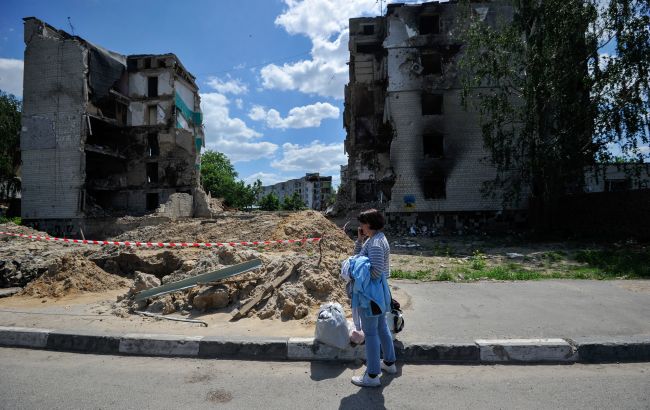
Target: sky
271, 73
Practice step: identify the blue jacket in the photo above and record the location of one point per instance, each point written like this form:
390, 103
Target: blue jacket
366, 289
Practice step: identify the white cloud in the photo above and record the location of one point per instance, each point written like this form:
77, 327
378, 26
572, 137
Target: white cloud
11, 76
267, 178
239, 103
299, 117
325, 22
315, 157
228, 86
231, 135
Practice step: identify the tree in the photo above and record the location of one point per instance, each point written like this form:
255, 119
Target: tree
547, 108
218, 176
269, 202
293, 203
10, 112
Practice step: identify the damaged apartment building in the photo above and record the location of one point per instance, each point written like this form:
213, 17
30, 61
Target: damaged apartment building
412, 148
104, 134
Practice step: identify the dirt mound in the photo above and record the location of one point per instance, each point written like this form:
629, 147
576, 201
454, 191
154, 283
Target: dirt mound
71, 275
303, 275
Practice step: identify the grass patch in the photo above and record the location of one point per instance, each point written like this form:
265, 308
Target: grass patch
16, 220
554, 256
617, 263
419, 275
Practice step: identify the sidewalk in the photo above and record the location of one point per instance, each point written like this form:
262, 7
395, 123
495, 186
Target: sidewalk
485, 322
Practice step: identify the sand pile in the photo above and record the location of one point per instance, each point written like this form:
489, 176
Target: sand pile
310, 271
70, 275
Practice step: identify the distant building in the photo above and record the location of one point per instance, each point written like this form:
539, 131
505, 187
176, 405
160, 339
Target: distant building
617, 178
312, 188
104, 134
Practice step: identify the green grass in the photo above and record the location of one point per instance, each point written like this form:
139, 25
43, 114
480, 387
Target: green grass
16, 220
594, 264
419, 275
617, 263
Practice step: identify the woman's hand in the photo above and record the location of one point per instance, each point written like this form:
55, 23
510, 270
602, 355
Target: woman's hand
360, 235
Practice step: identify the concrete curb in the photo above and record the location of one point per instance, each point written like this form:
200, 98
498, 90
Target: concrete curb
482, 351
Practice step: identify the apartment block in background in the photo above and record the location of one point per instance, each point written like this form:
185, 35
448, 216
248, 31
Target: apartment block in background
413, 149
312, 188
104, 135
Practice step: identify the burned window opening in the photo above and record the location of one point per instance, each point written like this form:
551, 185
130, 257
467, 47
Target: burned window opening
434, 186
368, 29
433, 145
152, 172
152, 86
153, 148
430, 24
147, 63
431, 104
369, 48
153, 200
366, 191
431, 63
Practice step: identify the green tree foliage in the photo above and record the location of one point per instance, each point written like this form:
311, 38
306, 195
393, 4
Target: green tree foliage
293, 203
218, 176
548, 105
269, 202
10, 111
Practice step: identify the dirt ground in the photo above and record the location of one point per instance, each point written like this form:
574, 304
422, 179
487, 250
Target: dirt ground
53, 271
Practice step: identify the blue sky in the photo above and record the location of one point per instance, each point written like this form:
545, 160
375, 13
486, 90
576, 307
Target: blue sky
270, 72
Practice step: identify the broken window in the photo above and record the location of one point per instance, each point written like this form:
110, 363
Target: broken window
152, 112
429, 24
431, 104
120, 113
431, 63
152, 144
433, 145
366, 191
152, 172
434, 186
152, 86
368, 29
152, 201
368, 48
617, 185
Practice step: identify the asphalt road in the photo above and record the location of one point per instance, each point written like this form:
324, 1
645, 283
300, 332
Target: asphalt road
34, 379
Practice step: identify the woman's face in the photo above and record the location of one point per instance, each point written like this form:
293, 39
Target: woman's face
365, 228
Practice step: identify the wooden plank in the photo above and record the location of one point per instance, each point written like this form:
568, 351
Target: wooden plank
203, 278
288, 270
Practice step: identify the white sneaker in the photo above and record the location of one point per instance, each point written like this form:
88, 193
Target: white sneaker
392, 369
366, 381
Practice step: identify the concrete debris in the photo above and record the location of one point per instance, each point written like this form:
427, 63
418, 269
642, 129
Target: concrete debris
55, 269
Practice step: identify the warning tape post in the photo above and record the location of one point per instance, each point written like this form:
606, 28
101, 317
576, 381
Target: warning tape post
139, 244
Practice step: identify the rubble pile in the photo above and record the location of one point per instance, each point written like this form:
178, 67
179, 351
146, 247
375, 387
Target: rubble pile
72, 274
293, 281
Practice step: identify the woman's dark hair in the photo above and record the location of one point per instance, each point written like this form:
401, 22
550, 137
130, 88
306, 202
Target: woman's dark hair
373, 218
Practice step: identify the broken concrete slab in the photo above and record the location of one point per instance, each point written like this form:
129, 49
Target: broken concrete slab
9, 291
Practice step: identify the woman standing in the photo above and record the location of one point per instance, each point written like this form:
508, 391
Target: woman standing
372, 243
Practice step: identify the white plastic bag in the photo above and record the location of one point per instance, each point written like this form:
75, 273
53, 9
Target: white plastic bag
331, 326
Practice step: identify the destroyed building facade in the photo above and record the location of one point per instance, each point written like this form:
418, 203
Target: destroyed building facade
313, 188
103, 134
413, 149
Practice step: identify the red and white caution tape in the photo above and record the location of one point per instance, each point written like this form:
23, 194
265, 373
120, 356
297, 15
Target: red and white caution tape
162, 244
